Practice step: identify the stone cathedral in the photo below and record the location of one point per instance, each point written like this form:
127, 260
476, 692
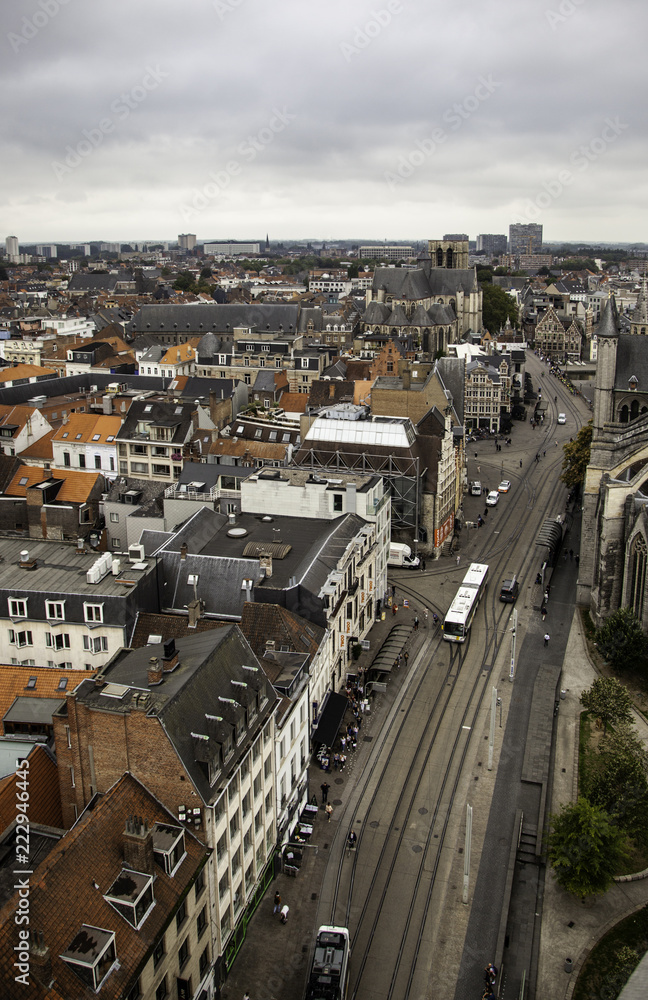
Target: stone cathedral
614, 546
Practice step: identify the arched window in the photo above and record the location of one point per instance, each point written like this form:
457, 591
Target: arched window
623, 416
637, 575
634, 409
449, 259
439, 256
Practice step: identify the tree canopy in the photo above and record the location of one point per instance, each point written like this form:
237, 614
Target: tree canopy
608, 700
498, 306
621, 639
576, 457
615, 779
585, 848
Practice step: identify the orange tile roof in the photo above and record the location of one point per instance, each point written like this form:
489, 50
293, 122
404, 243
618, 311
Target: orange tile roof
41, 449
76, 487
294, 402
84, 426
44, 792
178, 355
23, 371
16, 415
14, 678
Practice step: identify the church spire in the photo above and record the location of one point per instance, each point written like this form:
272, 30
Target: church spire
640, 314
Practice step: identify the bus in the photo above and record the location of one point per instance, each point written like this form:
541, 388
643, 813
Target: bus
329, 973
462, 610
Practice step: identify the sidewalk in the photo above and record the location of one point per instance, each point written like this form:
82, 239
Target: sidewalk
570, 928
272, 962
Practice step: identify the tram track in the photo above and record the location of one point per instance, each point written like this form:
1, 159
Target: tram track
453, 706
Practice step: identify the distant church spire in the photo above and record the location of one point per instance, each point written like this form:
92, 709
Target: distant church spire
639, 322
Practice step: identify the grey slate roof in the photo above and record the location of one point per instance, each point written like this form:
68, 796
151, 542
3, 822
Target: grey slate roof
424, 282
608, 325
217, 674
216, 318
92, 283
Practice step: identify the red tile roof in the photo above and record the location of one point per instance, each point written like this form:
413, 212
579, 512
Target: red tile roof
44, 792
76, 871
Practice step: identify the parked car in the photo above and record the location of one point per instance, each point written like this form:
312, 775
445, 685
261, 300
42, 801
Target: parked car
504, 486
492, 499
562, 419
476, 488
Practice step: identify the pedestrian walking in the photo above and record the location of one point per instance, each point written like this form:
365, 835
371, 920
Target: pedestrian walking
246, 995
277, 903
423, 565
343, 743
393, 590
285, 910
329, 812
547, 637
342, 761
406, 655
394, 609
543, 611
556, 444
458, 559
577, 558
520, 463
415, 624
546, 596
325, 790
544, 453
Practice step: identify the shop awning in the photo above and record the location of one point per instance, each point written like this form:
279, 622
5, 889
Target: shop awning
331, 719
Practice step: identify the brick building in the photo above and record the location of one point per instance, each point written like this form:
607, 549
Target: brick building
194, 721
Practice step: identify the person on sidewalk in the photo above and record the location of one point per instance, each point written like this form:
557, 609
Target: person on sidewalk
285, 910
547, 637
277, 903
325, 790
543, 611
246, 995
329, 812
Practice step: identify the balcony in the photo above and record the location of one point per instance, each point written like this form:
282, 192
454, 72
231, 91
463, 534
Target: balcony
181, 492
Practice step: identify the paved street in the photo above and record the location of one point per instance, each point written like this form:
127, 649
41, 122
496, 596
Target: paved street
407, 788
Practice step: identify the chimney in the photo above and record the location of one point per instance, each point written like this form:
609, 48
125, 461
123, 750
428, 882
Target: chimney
407, 378
25, 562
194, 608
155, 672
332, 391
40, 960
183, 551
138, 845
170, 657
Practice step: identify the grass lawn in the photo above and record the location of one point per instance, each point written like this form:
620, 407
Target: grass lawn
605, 972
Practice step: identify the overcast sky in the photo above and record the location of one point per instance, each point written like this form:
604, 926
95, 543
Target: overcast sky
392, 119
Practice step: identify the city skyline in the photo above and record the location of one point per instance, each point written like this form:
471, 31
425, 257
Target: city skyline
233, 118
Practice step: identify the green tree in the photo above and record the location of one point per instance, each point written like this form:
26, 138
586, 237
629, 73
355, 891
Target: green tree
585, 848
497, 307
615, 780
353, 271
185, 282
621, 639
206, 273
576, 458
485, 274
608, 700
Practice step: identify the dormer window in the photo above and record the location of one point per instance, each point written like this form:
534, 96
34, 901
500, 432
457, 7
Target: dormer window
91, 955
633, 382
168, 847
131, 894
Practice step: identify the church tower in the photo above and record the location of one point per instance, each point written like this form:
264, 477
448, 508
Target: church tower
639, 322
607, 335
452, 254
